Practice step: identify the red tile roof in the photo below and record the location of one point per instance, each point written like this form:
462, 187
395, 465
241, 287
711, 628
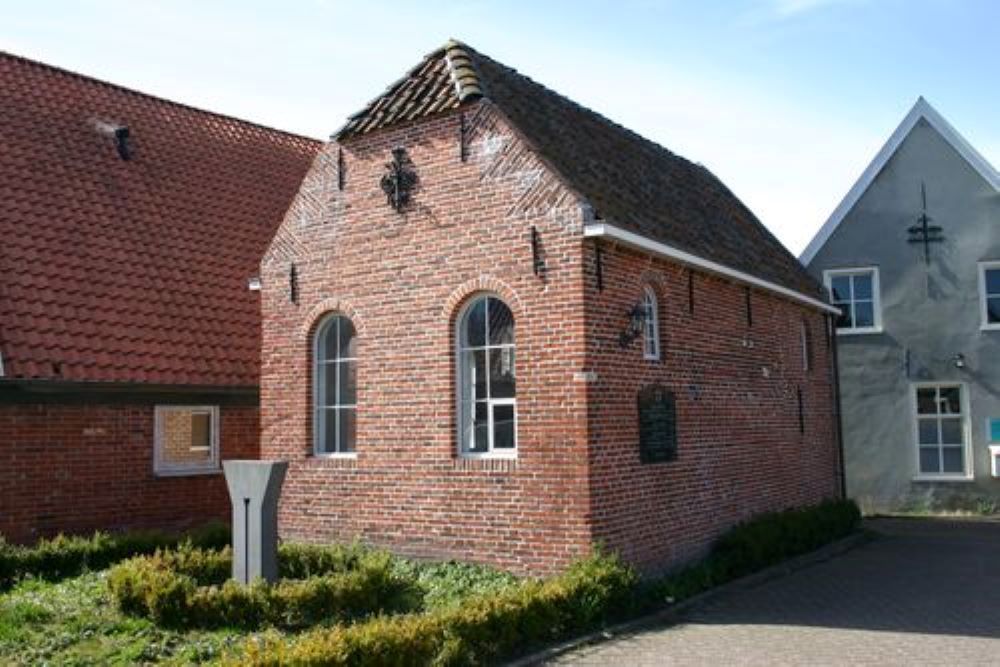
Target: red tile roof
629, 181
132, 270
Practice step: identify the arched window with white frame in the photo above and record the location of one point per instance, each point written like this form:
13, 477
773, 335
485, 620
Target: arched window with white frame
487, 403
650, 324
335, 387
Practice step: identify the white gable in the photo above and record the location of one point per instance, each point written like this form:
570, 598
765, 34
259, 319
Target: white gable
922, 109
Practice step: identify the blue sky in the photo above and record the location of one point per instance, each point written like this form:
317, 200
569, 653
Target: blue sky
785, 100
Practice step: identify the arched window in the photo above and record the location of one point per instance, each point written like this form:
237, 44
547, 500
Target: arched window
335, 382
651, 325
487, 406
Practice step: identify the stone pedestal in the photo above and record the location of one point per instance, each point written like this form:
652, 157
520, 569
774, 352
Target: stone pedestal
254, 488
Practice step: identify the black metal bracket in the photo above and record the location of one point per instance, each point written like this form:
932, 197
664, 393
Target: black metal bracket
599, 265
691, 291
537, 263
340, 168
749, 308
923, 231
293, 284
463, 130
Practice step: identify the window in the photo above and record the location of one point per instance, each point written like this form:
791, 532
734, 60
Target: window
993, 432
856, 293
989, 294
942, 438
487, 406
650, 325
335, 395
186, 439
806, 341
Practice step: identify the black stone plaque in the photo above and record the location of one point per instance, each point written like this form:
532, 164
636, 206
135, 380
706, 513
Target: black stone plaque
657, 425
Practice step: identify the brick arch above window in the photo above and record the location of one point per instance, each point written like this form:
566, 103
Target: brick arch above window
479, 285
326, 307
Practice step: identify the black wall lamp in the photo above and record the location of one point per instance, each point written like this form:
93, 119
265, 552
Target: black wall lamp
636, 322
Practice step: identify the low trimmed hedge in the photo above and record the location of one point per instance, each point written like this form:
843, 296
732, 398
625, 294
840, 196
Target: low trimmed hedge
190, 588
68, 556
483, 630
487, 629
762, 541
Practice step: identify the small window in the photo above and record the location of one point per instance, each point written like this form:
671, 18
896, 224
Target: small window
989, 294
186, 439
941, 431
806, 342
487, 403
856, 293
993, 430
651, 325
335, 382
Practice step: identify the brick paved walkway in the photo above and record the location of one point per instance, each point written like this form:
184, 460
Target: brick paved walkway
924, 592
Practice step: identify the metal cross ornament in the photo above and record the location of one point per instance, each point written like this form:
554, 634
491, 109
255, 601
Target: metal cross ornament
923, 231
399, 180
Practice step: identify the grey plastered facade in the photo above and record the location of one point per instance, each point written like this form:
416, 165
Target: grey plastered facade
931, 318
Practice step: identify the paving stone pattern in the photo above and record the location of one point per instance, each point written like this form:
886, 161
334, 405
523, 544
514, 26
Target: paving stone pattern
923, 592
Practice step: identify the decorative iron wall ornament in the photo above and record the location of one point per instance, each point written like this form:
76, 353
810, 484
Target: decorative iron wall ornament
923, 231
399, 180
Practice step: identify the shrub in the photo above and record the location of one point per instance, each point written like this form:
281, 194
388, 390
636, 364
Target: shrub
67, 556
484, 629
760, 542
188, 588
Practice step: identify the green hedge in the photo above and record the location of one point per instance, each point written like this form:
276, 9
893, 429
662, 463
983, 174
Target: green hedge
484, 629
68, 556
490, 628
189, 588
753, 545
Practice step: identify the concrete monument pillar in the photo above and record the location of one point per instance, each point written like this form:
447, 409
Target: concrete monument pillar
254, 488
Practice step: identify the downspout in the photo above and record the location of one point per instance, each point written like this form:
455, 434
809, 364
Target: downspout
832, 329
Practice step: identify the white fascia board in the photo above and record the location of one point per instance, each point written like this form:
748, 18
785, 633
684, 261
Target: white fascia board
633, 240
922, 109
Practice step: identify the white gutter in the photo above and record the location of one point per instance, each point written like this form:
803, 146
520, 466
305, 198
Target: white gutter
633, 240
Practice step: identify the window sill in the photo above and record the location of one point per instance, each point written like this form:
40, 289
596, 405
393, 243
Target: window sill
336, 455
859, 332
489, 456
944, 478
989, 327
187, 473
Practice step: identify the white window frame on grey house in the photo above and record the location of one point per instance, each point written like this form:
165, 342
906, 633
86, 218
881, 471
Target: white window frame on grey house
164, 468
986, 295
338, 408
466, 374
650, 324
852, 302
934, 424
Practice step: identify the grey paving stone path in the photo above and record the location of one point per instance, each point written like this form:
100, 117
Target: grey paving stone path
924, 592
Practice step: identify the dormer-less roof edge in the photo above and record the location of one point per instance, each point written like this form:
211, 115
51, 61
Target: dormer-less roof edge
921, 109
639, 242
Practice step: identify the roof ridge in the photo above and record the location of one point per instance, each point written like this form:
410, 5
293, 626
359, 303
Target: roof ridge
61, 71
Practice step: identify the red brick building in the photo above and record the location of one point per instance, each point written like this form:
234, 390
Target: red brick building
129, 342
499, 327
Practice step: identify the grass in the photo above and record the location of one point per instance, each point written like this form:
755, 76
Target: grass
76, 622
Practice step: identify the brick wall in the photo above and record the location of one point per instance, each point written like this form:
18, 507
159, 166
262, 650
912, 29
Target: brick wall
740, 449
78, 468
402, 278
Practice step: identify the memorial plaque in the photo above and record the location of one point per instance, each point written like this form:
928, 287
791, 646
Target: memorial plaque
657, 425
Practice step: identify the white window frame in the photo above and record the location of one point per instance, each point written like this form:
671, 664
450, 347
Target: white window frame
164, 468
321, 329
985, 324
650, 324
490, 452
969, 463
830, 274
